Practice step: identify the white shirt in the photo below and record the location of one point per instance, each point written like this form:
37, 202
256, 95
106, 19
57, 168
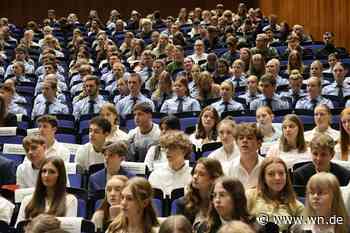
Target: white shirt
87, 156
224, 158
167, 179
150, 161
196, 58
6, 210
238, 171
26, 175
117, 135
58, 150
71, 207
291, 157
335, 134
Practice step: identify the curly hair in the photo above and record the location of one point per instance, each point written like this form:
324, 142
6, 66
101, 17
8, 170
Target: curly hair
177, 139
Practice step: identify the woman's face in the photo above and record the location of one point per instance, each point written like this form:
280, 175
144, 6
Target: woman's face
195, 71
129, 204
49, 175
320, 200
17, 70
179, 89
108, 115
322, 117
263, 117
208, 120
226, 134
222, 68
113, 191
243, 54
222, 201
201, 179
290, 130
294, 60
163, 84
122, 87
275, 177
345, 120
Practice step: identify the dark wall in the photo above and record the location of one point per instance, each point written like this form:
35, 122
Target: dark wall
21, 11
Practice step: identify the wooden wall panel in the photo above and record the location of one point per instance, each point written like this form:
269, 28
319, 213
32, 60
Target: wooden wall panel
21, 11
317, 16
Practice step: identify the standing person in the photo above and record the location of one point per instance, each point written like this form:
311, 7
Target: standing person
50, 194
274, 194
138, 214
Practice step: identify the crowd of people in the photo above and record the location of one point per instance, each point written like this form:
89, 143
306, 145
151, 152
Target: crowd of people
238, 71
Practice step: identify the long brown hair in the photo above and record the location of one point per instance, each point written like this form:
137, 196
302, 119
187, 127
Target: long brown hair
287, 195
300, 140
193, 199
142, 191
57, 208
344, 136
200, 132
237, 193
3, 111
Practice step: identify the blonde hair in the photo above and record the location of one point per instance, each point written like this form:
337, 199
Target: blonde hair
322, 181
176, 139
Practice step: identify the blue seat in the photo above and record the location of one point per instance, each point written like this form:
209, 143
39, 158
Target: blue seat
16, 139
158, 199
187, 119
66, 138
16, 158
82, 197
210, 147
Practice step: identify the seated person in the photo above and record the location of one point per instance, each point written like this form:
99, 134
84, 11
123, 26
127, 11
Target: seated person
50, 195
50, 104
322, 150
114, 153
226, 103
271, 131
6, 210
274, 195
206, 131
338, 87
93, 102
291, 147
111, 204
182, 101
48, 125
238, 78
269, 98
313, 97
7, 119
246, 167
144, 135
91, 152
27, 172
176, 173
295, 92
156, 154
322, 118
252, 91
109, 112
125, 105
8, 91
273, 68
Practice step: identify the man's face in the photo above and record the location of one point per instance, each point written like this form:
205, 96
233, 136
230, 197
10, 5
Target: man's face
20, 56
157, 68
96, 135
188, 64
328, 39
267, 89
321, 158
142, 119
36, 154
112, 160
252, 83
118, 69
271, 68
90, 87
134, 84
295, 83
248, 144
46, 130
313, 88
339, 73
49, 69
48, 91
147, 60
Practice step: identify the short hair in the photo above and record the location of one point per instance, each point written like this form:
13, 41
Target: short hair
22, 49
177, 139
268, 78
176, 223
143, 107
322, 141
171, 122
102, 123
93, 78
245, 129
137, 76
120, 148
33, 139
52, 120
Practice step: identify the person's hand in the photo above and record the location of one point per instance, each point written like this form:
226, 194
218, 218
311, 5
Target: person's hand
114, 211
